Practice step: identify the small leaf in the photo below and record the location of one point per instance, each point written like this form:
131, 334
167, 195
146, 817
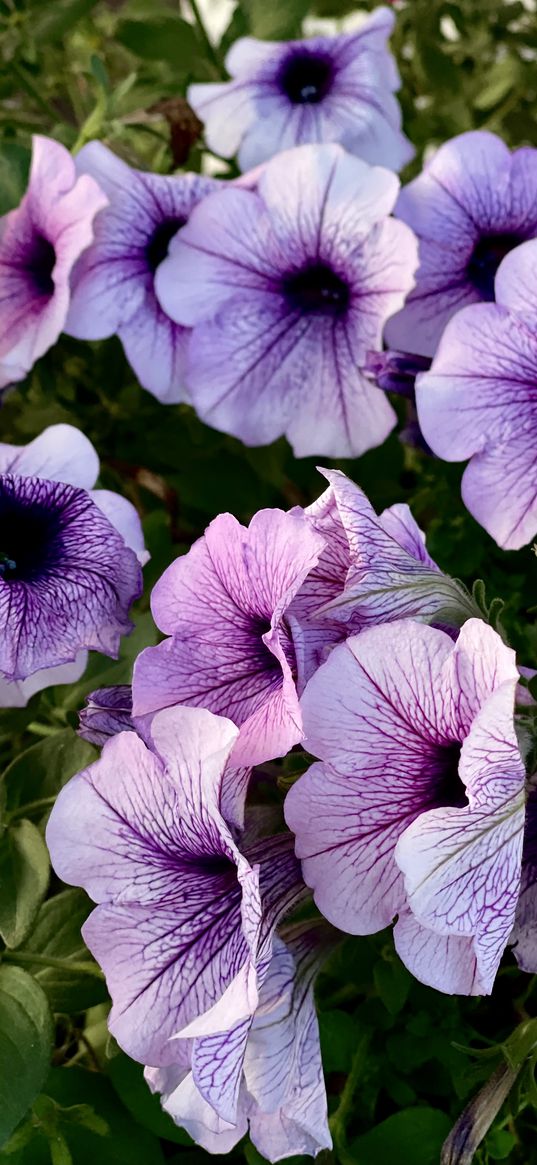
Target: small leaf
411, 1137
24, 874
57, 934
44, 768
281, 18
171, 39
25, 1045
393, 983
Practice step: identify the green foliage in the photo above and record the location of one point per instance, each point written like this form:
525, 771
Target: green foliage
401, 1061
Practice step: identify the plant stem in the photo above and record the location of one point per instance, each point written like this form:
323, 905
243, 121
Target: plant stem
48, 961
39, 729
339, 1118
211, 51
31, 807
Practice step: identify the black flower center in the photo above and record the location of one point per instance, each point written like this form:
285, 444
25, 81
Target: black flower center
306, 79
450, 789
28, 531
39, 262
157, 247
485, 260
316, 289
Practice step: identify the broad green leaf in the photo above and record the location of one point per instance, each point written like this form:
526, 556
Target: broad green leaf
24, 874
126, 1142
412, 1137
128, 1080
171, 40
57, 934
281, 18
339, 1037
55, 20
45, 767
393, 983
25, 1045
14, 169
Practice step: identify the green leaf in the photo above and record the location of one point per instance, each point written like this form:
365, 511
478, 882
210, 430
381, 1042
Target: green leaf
44, 768
25, 1045
393, 983
128, 1080
281, 18
54, 20
500, 79
126, 1143
24, 873
339, 1036
171, 39
412, 1137
14, 169
57, 934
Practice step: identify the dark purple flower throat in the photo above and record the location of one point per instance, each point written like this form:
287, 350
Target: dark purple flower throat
485, 260
157, 246
306, 78
316, 289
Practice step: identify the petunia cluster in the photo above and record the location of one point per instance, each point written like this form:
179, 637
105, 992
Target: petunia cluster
328, 629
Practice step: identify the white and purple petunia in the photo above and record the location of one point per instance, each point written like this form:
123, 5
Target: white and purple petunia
417, 806
265, 1073
185, 916
40, 241
70, 559
288, 287
479, 401
474, 202
223, 606
374, 569
325, 89
113, 290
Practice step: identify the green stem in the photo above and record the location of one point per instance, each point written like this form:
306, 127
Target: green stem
211, 51
48, 961
39, 729
31, 807
339, 1118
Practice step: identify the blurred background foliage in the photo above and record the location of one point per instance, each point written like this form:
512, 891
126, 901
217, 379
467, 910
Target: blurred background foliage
401, 1061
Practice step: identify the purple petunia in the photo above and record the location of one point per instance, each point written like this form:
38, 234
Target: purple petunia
40, 242
326, 89
114, 281
69, 562
417, 806
472, 204
479, 401
185, 916
265, 1074
223, 606
287, 288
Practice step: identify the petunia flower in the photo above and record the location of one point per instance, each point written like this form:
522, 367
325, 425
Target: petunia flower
185, 915
113, 289
107, 712
479, 401
473, 203
223, 606
417, 806
376, 568
40, 242
288, 287
69, 562
265, 1073
325, 89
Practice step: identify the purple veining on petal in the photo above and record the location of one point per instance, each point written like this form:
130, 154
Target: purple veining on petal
67, 579
388, 820
287, 287
40, 241
322, 89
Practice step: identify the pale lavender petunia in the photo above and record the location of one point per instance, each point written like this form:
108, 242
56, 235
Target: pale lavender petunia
40, 242
107, 712
70, 560
376, 568
185, 915
479, 401
416, 808
288, 287
325, 89
223, 606
473, 203
264, 1075
113, 289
